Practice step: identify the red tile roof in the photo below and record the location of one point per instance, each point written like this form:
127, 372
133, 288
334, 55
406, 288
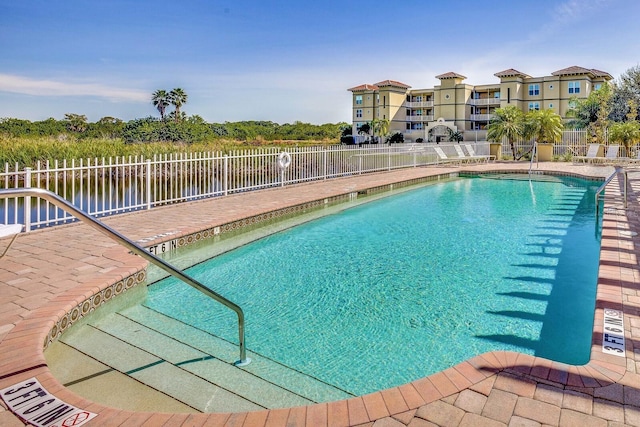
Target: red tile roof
363, 87
575, 70
604, 74
392, 83
511, 73
450, 75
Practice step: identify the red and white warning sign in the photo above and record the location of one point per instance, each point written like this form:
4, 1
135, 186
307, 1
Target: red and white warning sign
31, 402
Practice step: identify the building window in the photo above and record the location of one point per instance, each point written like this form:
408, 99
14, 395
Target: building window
597, 86
550, 105
550, 87
496, 95
534, 106
358, 113
574, 87
358, 99
534, 90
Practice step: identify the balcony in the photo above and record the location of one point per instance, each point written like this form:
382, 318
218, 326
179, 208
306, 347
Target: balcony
482, 117
485, 101
419, 118
419, 104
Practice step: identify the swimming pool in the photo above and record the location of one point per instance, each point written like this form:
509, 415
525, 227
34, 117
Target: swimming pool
405, 286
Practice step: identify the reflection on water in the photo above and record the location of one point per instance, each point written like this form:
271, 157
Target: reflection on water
106, 196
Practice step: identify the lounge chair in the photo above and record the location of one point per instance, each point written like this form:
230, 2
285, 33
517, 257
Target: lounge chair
633, 161
472, 153
611, 157
444, 158
592, 155
463, 157
7, 230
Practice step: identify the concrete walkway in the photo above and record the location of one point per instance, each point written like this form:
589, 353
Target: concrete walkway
52, 278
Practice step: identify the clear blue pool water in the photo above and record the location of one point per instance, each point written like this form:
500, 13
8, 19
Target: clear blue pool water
405, 286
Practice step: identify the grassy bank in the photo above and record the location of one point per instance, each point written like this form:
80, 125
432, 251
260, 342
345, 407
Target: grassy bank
26, 151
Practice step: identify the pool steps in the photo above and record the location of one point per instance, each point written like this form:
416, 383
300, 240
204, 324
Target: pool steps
162, 360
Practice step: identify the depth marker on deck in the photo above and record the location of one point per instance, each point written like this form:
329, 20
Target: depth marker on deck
613, 332
32, 403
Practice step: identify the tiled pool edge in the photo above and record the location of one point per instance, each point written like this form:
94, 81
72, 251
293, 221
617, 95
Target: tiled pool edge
602, 370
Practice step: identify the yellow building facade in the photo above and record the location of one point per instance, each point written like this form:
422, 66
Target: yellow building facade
453, 106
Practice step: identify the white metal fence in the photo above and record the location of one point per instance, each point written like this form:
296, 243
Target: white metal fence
110, 186
116, 185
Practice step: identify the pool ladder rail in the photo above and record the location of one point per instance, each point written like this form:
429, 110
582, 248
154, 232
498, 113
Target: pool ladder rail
138, 250
600, 190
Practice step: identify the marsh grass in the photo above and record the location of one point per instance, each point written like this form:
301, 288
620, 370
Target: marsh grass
27, 151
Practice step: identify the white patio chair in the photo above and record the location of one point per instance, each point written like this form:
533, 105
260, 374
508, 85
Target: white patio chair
465, 158
592, 155
611, 156
444, 158
472, 153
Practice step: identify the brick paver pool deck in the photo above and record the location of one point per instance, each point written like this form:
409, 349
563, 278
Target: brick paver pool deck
48, 273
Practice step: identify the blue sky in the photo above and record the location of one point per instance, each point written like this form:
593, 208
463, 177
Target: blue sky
286, 61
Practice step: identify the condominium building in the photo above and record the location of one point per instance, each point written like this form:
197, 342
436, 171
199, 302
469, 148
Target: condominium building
432, 114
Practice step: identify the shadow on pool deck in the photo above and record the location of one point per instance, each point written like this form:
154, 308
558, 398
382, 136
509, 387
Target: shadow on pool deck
56, 274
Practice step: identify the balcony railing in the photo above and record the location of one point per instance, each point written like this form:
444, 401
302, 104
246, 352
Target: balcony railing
482, 117
419, 104
420, 118
485, 101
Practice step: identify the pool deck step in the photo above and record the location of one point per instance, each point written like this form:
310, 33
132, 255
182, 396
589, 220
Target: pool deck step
152, 349
265, 368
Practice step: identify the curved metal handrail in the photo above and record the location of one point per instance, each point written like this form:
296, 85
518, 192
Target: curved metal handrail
607, 181
138, 250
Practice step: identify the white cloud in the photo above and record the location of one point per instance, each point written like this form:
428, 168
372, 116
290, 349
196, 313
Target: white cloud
41, 87
576, 9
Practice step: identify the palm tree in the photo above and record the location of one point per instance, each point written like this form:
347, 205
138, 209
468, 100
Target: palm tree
455, 135
508, 122
177, 116
160, 99
546, 125
626, 133
178, 98
380, 126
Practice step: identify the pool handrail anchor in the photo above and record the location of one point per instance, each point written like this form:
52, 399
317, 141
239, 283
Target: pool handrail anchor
9, 230
138, 250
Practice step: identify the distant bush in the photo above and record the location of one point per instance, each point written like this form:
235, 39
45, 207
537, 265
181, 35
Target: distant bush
347, 140
396, 138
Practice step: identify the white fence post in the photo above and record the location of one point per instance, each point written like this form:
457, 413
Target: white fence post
225, 180
27, 200
325, 153
148, 184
